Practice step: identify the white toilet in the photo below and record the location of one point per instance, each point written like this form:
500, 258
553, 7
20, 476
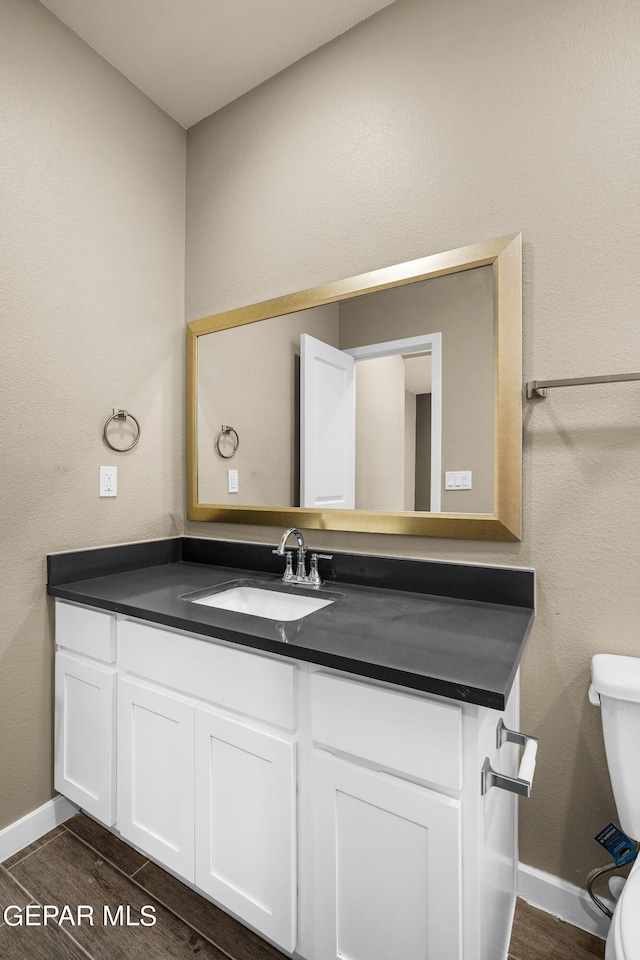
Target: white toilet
615, 686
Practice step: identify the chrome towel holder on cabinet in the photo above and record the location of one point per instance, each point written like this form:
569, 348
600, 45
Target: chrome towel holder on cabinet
121, 415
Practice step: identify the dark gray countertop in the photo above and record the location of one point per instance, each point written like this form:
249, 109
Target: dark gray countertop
464, 649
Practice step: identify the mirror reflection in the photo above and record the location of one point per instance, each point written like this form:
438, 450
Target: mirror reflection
361, 404
387, 402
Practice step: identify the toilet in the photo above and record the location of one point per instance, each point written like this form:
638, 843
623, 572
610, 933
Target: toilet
615, 687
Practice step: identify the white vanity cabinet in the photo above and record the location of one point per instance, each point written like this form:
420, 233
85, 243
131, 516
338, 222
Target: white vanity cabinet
335, 815
206, 770
408, 858
85, 701
387, 849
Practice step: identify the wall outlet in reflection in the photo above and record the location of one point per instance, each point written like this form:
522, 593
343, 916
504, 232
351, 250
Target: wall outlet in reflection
232, 481
108, 481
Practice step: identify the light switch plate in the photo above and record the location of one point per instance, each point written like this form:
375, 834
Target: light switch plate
457, 480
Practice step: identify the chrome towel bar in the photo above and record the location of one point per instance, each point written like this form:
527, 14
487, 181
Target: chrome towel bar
538, 388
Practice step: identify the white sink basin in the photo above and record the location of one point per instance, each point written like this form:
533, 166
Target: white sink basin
265, 602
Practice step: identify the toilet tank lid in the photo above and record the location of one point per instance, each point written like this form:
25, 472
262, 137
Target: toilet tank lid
616, 676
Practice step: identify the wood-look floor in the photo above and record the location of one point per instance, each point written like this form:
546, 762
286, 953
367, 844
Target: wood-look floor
81, 863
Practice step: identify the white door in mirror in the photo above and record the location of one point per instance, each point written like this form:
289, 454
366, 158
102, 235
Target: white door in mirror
327, 426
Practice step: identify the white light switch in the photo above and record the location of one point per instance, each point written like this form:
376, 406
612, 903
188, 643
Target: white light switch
457, 480
232, 481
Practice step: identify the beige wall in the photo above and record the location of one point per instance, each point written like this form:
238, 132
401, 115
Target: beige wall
92, 240
423, 451
380, 434
249, 378
430, 126
410, 448
460, 307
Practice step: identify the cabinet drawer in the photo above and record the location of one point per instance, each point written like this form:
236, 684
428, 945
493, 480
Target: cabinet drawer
237, 680
90, 632
403, 733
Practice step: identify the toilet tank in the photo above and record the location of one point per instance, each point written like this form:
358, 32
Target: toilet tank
616, 680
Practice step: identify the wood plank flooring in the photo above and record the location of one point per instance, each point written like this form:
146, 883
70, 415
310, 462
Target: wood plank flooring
82, 863
538, 936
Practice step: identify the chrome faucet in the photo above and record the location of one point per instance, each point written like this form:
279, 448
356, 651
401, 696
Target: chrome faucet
300, 576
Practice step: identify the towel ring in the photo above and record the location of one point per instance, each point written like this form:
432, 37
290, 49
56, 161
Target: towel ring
121, 415
226, 432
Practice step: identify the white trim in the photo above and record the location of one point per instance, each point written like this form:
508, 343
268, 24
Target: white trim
436, 420
34, 825
391, 348
562, 899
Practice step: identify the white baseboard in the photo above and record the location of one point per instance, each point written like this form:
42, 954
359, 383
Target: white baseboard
562, 899
23, 832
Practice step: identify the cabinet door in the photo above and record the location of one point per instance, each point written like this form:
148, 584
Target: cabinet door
246, 823
155, 773
85, 735
386, 867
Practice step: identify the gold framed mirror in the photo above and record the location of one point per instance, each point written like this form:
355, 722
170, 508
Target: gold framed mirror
459, 313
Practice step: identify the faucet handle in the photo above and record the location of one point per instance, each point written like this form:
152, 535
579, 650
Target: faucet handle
287, 576
314, 576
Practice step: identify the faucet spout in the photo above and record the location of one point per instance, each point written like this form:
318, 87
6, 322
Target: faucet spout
300, 575
292, 531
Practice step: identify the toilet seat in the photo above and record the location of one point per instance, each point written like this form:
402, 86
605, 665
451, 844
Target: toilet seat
625, 928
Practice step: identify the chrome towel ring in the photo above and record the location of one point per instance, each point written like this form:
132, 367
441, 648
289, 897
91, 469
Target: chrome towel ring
228, 434
121, 415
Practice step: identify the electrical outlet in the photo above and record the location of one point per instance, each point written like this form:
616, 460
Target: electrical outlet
232, 481
108, 481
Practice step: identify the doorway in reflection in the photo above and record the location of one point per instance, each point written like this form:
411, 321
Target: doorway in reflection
366, 443
370, 428
393, 433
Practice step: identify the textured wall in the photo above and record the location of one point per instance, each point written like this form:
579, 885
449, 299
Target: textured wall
380, 434
249, 378
460, 307
428, 127
92, 240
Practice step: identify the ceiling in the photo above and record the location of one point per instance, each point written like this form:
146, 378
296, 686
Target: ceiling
192, 57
